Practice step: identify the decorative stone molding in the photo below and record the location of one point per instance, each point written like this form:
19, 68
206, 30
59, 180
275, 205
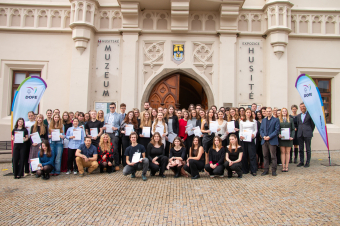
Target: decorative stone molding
202, 58
229, 15
153, 53
130, 13
180, 15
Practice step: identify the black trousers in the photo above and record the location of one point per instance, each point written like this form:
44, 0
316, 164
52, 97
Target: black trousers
302, 142
249, 153
234, 167
189, 141
163, 162
219, 170
114, 141
194, 167
207, 145
27, 153
71, 159
259, 151
125, 143
144, 141
103, 165
167, 148
19, 151
278, 155
120, 151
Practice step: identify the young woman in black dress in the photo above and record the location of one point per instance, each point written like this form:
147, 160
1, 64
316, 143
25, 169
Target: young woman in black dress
195, 162
208, 136
294, 115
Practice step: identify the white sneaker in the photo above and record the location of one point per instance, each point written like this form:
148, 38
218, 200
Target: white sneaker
68, 172
212, 176
75, 172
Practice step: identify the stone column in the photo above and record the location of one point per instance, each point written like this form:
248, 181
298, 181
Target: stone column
276, 56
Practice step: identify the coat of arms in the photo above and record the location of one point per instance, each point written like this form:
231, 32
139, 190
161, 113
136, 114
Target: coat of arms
178, 52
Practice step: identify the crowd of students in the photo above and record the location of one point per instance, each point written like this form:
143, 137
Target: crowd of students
184, 141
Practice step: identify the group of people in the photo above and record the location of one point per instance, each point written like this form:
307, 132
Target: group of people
186, 141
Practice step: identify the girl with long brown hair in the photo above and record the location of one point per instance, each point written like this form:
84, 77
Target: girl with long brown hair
156, 154
41, 129
233, 157
216, 159
57, 146
46, 159
193, 118
130, 119
145, 122
159, 123
248, 124
233, 117
208, 136
177, 156
105, 154
195, 162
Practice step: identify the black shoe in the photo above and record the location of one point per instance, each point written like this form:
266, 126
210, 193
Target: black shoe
254, 174
290, 160
239, 176
152, 174
264, 173
300, 164
274, 173
162, 175
36, 175
307, 164
177, 175
295, 160
195, 177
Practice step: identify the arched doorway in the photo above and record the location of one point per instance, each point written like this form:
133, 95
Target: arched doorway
178, 90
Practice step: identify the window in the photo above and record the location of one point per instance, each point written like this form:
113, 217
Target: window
324, 86
18, 77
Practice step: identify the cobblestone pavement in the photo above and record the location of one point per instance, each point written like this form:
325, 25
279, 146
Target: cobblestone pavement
303, 196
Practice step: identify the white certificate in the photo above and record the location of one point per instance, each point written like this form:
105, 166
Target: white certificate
285, 133
246, 133
77, 134
213, 125
93, 132
136, 157
197, 131
108, 128
35, 137
189, 130
171, 137
231, 126
146, 132
55, 135
34, 164
160, 129
19, 137
128, 130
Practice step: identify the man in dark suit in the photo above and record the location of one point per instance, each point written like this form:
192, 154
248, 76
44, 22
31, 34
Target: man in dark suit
269, 130
306, 127
122, 115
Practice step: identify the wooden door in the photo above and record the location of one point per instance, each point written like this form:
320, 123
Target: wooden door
166, 92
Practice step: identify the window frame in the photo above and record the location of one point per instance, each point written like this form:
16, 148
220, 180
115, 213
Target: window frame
328, 94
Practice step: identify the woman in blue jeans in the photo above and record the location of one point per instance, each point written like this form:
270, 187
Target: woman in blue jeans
56, 145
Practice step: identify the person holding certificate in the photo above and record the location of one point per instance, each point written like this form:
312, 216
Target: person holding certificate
56, 131
112, 123
40, 128
46, 161
160, 126
135, 158
195, 162
28, 125
145, 129
75, 135
216, 159
233, 157
222, 128
182, 133
129, 125
177, 157
67, 122
172, 122
106, 154
191, 124
248, 130
156, 154
232, 118
286, 136
19, 136
208, 136
94, 128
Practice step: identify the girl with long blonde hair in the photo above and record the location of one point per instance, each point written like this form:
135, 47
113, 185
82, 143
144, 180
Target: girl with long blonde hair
145, 122
100, 115
160, 123
105, 154
41, 129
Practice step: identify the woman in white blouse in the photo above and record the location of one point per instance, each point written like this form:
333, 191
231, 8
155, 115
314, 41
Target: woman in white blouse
248, 130
222, 128
160, 126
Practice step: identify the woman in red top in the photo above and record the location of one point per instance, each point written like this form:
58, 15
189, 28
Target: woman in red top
105, 154
181, 130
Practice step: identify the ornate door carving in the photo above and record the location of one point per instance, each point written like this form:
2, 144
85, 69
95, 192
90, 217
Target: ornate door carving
166, 92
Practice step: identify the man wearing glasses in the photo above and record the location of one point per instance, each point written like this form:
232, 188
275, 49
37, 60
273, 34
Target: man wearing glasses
112, 119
